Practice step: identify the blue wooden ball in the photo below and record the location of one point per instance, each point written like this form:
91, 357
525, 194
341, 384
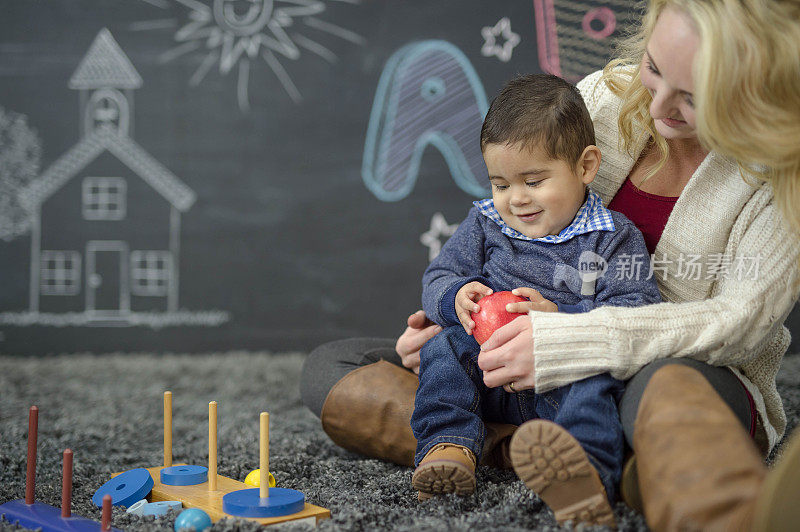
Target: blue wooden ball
192, 518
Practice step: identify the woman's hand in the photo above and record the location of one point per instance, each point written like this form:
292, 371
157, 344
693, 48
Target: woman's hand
420, 329
507, 356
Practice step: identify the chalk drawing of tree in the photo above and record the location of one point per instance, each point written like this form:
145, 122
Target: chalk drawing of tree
20, 157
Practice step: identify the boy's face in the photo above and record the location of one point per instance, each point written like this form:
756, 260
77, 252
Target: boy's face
534, 194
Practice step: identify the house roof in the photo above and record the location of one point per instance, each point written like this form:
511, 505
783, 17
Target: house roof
105, 65
105, 138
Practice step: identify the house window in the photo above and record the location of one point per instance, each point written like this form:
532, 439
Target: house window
150, 272
60, 273
108, 108
104, 198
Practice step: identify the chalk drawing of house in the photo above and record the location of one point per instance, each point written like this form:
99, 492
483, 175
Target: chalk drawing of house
106, 215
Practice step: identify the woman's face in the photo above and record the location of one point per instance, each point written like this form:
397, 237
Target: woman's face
666, 72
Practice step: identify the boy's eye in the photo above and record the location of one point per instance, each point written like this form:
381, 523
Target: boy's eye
501, 187
533, 183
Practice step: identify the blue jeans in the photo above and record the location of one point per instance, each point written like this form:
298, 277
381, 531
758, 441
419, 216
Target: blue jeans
452, 402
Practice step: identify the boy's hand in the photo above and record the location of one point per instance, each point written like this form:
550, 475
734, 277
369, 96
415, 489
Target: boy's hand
537, 301
466, 302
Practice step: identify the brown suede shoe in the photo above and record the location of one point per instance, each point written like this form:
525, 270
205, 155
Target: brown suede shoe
554, 465
629, 485
446, 468
496, 444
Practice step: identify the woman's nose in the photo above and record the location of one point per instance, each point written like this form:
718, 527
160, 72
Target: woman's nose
663, 104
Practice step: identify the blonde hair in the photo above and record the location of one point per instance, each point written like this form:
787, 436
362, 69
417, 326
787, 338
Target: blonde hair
747, 89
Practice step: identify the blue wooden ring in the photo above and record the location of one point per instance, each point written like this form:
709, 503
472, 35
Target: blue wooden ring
137, 508
161, 507
44, 517
126, 488
184, 475
248, 503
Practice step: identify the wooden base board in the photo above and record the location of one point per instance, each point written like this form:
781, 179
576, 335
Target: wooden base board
198, 496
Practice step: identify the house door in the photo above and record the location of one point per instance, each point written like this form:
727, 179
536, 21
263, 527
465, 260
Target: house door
107, 288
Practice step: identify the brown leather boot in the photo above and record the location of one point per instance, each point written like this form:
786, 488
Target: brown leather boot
369, 412
777, 508
698, 468
446, 468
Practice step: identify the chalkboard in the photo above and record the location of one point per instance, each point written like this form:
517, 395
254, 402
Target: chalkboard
204, 175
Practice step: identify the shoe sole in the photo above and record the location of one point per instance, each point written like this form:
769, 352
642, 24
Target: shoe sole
439, 477
554, 465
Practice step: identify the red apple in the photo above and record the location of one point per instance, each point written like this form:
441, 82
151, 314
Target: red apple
493, 314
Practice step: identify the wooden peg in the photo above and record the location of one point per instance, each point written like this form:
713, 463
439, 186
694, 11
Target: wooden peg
66, 484
263, 486
105, 520
33, 431
212, 446
167, 429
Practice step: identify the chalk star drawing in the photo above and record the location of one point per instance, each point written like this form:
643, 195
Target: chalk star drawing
239, 32
490, 45
433, 237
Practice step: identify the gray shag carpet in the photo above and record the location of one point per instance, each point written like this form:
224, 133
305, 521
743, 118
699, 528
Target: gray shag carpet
108, 410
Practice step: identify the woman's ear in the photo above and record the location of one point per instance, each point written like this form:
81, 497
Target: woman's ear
589, 163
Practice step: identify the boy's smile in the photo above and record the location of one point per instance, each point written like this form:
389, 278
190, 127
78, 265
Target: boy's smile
534, 194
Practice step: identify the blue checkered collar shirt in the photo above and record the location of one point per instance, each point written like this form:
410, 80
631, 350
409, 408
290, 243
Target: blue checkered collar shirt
592, 216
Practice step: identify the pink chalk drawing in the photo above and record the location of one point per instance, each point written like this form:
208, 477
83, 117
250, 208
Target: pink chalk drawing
546, 37
604, 15
576, 38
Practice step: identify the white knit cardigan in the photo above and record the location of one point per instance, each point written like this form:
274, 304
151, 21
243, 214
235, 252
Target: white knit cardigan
721, 321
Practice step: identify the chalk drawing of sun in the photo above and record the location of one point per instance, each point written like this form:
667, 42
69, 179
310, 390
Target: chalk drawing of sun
236, 34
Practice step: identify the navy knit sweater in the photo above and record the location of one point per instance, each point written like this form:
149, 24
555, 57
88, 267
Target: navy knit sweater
479, 251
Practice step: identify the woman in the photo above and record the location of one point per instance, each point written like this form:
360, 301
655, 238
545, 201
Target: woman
699, 125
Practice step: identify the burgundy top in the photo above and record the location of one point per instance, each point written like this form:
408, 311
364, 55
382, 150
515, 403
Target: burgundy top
649, 212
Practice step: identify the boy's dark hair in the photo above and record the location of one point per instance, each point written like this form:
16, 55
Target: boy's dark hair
540, 110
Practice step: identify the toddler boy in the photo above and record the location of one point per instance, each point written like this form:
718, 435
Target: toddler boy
533, 236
